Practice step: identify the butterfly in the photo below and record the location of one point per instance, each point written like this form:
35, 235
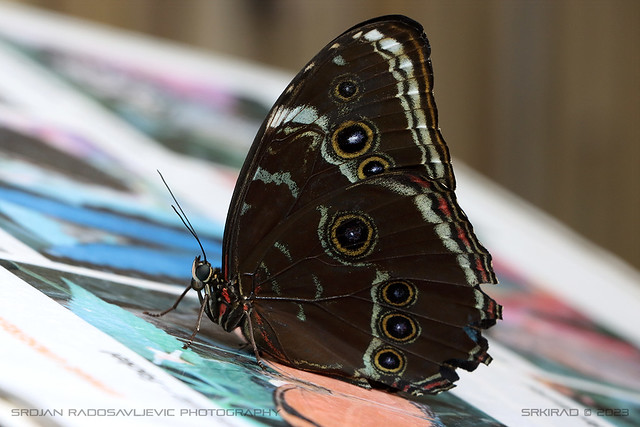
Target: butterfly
345, 251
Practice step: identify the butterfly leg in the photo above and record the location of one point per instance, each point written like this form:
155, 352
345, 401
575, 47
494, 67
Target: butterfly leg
197, 328
173, 307
253, 340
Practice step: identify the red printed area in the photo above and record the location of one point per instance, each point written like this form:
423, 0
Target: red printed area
308, 396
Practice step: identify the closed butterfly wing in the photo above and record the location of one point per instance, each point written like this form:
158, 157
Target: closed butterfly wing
344, 235
385, 291
362, 106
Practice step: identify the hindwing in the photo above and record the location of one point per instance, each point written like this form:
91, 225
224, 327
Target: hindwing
390, 272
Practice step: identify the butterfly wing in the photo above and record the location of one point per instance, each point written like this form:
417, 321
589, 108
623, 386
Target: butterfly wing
385, 290
344, 229
362, 106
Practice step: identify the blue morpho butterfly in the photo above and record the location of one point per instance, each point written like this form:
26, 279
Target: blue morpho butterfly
345, 252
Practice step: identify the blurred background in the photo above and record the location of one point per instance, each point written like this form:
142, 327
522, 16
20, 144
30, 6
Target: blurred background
542, 97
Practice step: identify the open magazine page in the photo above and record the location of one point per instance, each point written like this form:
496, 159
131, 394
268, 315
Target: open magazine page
88, 242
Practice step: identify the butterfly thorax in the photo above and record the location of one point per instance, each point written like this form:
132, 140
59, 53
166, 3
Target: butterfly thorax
221, 298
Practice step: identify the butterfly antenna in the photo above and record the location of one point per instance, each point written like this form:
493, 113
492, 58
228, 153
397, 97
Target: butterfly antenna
183, 217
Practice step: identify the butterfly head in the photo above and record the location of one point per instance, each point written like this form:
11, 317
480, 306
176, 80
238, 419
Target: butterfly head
202, 274
207, 281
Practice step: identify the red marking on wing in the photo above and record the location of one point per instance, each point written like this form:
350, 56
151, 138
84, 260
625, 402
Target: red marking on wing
436, 384
492, 308
444, 207
483, 358
481, 269
420, 181
463, 237
258, 318
273, 350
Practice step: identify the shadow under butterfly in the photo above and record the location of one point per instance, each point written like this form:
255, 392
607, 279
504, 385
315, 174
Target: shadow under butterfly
345, 251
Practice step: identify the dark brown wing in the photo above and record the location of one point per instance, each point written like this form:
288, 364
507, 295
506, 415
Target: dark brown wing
377, 75
386, 267
344, 228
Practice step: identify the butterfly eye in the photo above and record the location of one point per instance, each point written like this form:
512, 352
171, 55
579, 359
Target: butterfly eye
201, 273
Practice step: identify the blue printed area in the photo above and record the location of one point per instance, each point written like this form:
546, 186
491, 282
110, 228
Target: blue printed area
88, 235
73, 193
142, 259
219, 376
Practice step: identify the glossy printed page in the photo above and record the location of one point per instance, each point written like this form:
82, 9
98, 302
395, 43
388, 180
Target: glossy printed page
88, 241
